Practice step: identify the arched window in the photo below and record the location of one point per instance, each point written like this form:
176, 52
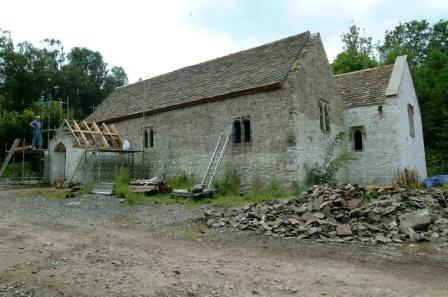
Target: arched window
145, 138
148, 138
247, 132
357, 137
151, 138
237, 131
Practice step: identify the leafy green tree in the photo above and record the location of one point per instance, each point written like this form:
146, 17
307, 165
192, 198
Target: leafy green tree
29, 74
358, 52
432, 89
415, 39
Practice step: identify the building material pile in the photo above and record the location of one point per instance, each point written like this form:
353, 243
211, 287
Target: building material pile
150, 186
346, 213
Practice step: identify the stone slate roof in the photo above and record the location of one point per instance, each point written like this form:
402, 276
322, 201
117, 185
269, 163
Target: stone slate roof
228, 76
364, 87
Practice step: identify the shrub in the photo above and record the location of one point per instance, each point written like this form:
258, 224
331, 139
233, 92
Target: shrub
229, 183
15, 170
296, 188
408, 178
326, 172
181, 180
121, 186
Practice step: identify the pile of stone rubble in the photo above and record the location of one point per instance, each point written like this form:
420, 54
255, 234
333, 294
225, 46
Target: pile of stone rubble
345, 213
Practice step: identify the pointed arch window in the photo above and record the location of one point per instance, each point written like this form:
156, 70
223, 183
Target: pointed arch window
357, 135
148, 137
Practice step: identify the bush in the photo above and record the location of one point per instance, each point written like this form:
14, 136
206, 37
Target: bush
15, 170
296, 188
229, 184
326, 172
121, 186
408, 178
181, 180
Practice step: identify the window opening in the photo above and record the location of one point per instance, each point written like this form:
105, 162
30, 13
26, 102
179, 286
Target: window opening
145, 138
411, 120
358, 140
237, 131
247, 132
151, 138
327, 118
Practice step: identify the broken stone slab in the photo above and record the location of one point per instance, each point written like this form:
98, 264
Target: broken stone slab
416, 220
344, 230
382, 239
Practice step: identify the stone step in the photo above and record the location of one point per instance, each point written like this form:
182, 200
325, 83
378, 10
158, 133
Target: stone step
105, 188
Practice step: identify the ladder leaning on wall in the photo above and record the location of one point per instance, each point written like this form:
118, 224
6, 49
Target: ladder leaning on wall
9, 156
215, 161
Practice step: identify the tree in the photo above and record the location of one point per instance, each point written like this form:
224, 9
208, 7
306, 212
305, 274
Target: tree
432, 90
29, 74
357, 54
415, 39
86, 79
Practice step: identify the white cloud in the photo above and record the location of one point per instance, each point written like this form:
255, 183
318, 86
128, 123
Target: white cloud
149, 37
145, 37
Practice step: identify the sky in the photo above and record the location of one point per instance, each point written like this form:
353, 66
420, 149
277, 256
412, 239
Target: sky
149, 38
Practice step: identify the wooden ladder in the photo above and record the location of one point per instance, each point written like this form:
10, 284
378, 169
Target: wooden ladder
9, 156
215, 161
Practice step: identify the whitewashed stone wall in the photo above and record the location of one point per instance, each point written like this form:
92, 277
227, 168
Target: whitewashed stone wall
412, 148
60, 164
388, 145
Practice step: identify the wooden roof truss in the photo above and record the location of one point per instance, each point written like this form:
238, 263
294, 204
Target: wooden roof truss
91, 135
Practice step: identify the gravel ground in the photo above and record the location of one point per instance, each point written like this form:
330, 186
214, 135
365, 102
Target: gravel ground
95, 246
93, 210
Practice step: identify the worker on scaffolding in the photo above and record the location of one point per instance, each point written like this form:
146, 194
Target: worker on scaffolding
37, 134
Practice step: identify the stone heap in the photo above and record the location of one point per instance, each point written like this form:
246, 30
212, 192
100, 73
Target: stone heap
345, 213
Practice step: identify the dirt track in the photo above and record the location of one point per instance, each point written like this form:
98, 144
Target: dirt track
123, 257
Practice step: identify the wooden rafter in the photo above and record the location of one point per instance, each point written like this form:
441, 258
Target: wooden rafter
88, 135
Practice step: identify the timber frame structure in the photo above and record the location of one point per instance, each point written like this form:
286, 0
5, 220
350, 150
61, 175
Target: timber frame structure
92, 135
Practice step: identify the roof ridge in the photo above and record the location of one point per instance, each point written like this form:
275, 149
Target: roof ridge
308, 35
255, 69
364, 70
222, 57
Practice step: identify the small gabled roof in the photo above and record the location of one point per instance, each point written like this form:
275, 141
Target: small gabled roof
364, 87
261, 68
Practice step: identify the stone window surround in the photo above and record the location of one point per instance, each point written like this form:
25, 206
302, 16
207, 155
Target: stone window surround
242, 138
148, 136
411, 120
352, 138
324, 118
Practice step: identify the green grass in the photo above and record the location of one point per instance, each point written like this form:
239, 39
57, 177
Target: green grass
227, 191
15, 170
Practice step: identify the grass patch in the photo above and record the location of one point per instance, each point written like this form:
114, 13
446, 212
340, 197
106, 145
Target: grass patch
181, 180
15, 170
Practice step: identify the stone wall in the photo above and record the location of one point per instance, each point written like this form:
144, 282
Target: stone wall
284, 125
388, 144
412, 148
93, 166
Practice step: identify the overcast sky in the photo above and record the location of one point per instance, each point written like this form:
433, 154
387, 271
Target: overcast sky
148, 38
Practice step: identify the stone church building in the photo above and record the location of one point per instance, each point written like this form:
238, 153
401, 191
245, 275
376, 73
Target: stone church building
282, 106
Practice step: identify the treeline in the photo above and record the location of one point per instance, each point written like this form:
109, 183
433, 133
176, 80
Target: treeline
426, 46
32, 76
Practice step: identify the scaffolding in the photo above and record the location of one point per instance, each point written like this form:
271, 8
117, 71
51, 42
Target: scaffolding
26, 165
